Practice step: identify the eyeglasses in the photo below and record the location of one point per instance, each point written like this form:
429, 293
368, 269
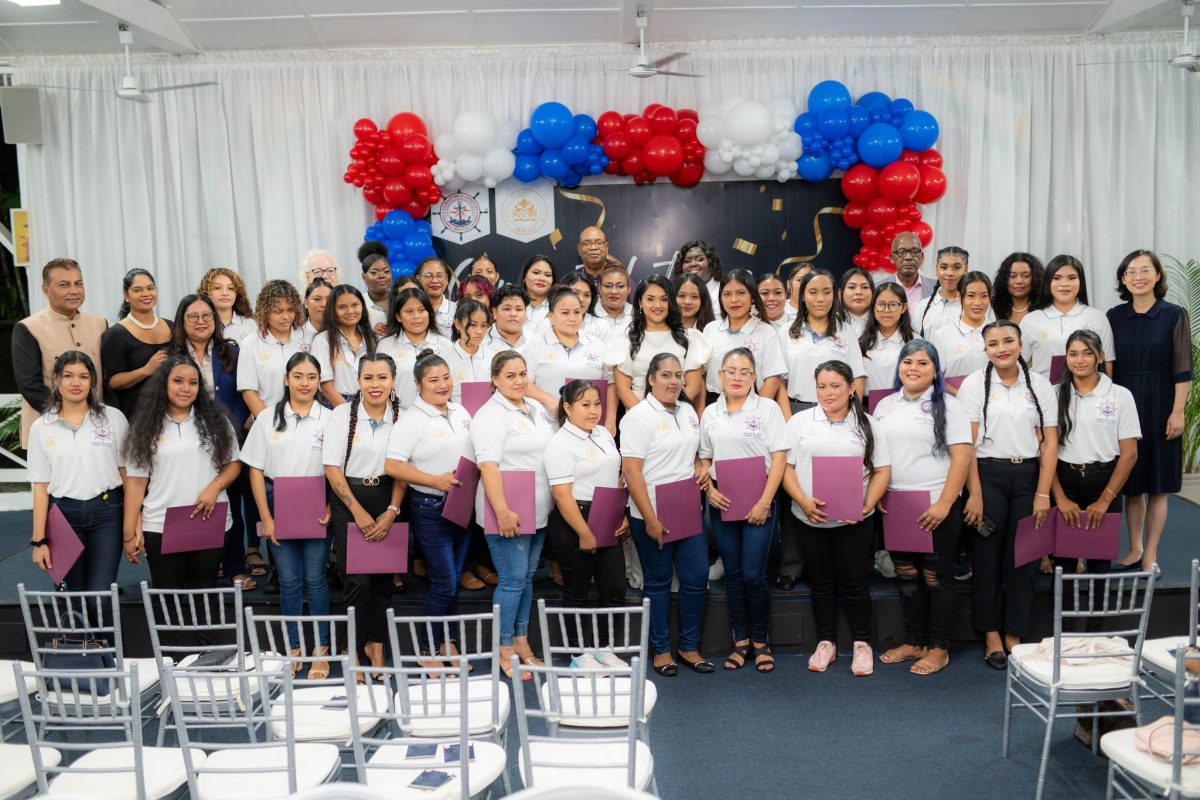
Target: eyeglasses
614, 287
322, 272
588, 244
432, 276
888, 306
1139, 272
193, 318
915, 252
744, 374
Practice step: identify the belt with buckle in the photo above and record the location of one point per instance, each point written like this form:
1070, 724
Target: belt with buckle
370, 480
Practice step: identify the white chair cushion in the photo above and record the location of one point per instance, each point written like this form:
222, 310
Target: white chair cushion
571, 754
18, 773
578, 711
1122, 748
1076, 673
148, 679
486, 767
271, 663
315, 764
1156, 653
313, 723
163, 768
479, 708
8, 680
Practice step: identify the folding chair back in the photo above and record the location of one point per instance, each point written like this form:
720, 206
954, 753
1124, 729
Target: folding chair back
1120, 598
63, 624
623, 630
270, 638
1184, 749
1194, 605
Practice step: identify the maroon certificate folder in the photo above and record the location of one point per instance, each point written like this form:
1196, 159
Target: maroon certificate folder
475, 394
838, 480
387, 556
300, 507
607, 513
65, 547
1057, 364
742, 480
874, 396
955, 380
901, 533
520, 495
183, 533
459, 507
1033, 543
677, 506
1098, 543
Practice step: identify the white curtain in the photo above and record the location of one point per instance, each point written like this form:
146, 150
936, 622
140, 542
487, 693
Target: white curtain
1041, 154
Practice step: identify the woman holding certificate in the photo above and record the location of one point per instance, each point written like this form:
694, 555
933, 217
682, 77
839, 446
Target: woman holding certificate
743, 425
837, 549
929, 438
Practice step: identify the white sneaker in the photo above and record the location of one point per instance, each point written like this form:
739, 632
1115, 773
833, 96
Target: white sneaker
717, 570
863, 663
823, 656
884, 565
610, 659
586, 660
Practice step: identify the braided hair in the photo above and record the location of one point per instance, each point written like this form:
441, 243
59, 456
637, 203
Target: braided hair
938, 400
856, 407
987, 379
674, 320
952, 250
296, 360
374, 358
1066, 381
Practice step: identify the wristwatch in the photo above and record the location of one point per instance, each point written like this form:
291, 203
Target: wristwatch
395, 508
38, 542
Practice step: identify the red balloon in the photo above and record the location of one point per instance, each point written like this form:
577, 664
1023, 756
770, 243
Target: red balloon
860, 183
404, 124
391, 162
415, 208
649, 110
373, 195
639, 131
613, 168
418, 176
662, 155
872, 236
617, 145
416, 149
364, 128
348, 178
688, 113
899, 181
906, 210
609, 122
628, 117
693, 151
884, 264
382, 211
688, 175
396, 191
854, 215
910, 157
869, 254
933, 185
858, 260
881, 211
358, 182
931, 158
431, 195
663, 120
686, 130
923, 232
632, 164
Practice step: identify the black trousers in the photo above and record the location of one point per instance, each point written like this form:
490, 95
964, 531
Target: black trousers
837, 562
1003, 593
606, 566
194, 570
369, 595
928, 596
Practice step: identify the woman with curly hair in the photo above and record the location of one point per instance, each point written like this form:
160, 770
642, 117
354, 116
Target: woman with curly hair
228, 293
475, 287
180, 451
700, 258
265, 354
1017, 286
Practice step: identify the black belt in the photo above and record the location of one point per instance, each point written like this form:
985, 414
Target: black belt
102, 496
1083, 469
1010, 460
370, 480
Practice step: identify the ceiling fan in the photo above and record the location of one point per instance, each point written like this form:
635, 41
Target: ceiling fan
644, 67
129, 89
1188, 58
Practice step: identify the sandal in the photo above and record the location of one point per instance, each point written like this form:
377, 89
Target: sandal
318, 670
450, 649
740, 651
258, 569
398, 584
924, 667
893, 656
1046, 566
247, 582
419, 569
506, 667
296, 663
555, 573
767, 662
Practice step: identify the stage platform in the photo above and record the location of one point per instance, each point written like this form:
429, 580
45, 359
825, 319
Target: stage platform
791, 612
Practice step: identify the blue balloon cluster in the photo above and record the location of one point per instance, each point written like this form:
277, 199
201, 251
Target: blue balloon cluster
408, 241
558, 145
837, 133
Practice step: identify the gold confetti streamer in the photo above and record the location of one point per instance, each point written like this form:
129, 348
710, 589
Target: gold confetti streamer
816, 233
777, 204
586, 198
555, 237
741, 245
658, 250
783, 236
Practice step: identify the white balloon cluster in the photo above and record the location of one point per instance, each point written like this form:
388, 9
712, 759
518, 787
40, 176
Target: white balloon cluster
753, 139
479, 149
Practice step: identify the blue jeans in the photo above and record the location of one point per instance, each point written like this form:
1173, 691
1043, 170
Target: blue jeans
743, 548
690, 560
515, 560
98, 524
445, 547
300, 564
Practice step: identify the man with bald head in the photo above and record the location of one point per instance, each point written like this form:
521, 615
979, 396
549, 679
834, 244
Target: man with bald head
593, 251
908, 256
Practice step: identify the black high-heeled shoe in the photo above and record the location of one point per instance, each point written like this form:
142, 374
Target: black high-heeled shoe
702, 666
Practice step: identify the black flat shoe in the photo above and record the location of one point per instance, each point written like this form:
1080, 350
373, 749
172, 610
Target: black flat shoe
702, 666
997, 660
669, 670
785, 582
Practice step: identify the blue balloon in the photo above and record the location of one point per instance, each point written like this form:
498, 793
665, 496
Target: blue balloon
834, 123
919, 130
576, 150
872, 100
595, 169
415, 245
403, 268
552, 124
527, 169
806, 124
571, 179
552, 164
900, 106
371, 234
526, 144
397, 224
845, 164
880, 145
812, 167
828, 94
424, 228
585, 126
859, 118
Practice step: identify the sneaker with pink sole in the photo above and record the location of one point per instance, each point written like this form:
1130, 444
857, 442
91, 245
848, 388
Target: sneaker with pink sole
823, 656
863, 663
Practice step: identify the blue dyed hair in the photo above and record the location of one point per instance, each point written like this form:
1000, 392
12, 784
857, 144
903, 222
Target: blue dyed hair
938, 400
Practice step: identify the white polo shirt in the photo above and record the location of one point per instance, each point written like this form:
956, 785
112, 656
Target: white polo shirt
497, 343
78, 464
1012, 414
908, 427
294, 452
1044, 334
535, 316
310, 333
343, 370
805, 353
714, 294
431, 441
262, 362
856, 323
551, 362
514, 440
960, 348
879, 363
756, 429
933, 312
614, 325
240, 327
584, 460
1099, 421
371, 438
466, 368
404, 352
654, 342
181, 467
375, 314
759, 338
811, 433
444, 316
666, 442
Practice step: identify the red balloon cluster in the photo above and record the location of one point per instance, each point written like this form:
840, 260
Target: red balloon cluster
883, 203
659, 143
391, 166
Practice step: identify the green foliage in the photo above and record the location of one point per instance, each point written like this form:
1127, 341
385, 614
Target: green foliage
1183, 282
10, 425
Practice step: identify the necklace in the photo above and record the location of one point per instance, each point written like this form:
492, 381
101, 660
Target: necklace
1021, 310
153, 324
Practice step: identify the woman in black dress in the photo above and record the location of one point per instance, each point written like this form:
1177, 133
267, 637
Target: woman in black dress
1154, 362
136, 345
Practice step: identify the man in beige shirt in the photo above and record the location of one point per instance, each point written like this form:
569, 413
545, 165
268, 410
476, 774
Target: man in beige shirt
39, 339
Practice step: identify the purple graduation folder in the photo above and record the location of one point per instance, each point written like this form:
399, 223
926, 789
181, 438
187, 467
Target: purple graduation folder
602, 386
520, 495
300, 507
64, 544
838, 480
955, 380
475, 394
742, 480
459, 507
1099, 543
677, 506
1057, 364
606, 514
387, 556
901, 531
874, 396
183, 533
1033, 543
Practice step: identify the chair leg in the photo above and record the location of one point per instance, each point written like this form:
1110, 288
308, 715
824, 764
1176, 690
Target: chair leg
1051, 710
1007, 715
164, 722
1095, 729
1108, 790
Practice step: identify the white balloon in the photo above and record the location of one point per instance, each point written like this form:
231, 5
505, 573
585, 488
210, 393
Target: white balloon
743, 167
469, 167
714, 164
765, 171
506, 134
755, 161
711, 131
729, 104
782, 108
475, 131
749, 123
770, 154
452, 185
447, 149
489, 182
779, 126
790, 147
726, 156
499, 163
439, 180
710, 108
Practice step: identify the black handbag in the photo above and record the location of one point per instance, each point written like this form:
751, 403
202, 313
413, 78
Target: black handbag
81, 655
